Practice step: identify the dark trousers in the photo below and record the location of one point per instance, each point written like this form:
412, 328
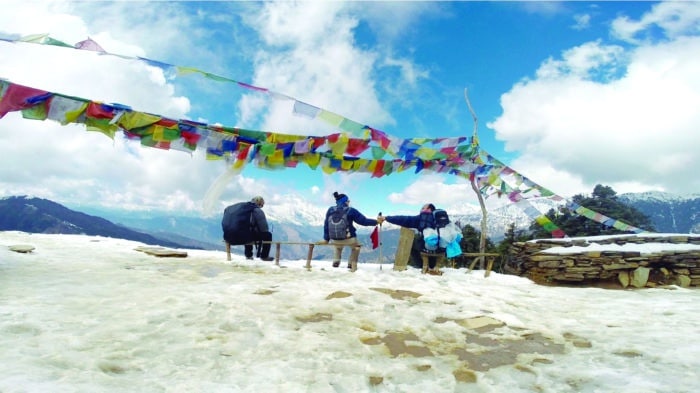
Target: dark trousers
264, 250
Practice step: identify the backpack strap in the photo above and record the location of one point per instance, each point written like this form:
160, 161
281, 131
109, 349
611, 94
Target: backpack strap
253, 223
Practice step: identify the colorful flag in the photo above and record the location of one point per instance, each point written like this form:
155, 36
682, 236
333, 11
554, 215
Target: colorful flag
89, 44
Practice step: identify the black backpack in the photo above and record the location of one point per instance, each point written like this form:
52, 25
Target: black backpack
338, 223
237, 223
438, 219
441, 218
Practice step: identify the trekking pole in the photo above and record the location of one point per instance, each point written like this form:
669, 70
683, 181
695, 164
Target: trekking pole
379, 240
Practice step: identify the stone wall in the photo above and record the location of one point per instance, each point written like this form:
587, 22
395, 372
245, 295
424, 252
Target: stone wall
610, 261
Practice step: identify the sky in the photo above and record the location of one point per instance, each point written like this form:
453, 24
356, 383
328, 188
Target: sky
88, 314
570, 94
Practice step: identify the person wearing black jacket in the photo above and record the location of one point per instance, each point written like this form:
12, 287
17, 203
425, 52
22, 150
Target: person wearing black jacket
245, 223
420, 222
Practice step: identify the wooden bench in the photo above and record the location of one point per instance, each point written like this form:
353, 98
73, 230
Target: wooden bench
309, 255
424, 256
490, 257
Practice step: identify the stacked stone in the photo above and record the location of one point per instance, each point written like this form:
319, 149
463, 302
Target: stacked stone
627, 268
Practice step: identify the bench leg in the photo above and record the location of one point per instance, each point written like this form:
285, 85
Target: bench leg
489, 266
354, 255
228, 251
309, 256
471, 266
277, 254
424, 258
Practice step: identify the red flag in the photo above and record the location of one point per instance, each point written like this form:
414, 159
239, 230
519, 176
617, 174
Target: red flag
375, 237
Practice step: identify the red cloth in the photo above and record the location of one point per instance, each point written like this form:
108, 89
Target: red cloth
375, 237
18, 97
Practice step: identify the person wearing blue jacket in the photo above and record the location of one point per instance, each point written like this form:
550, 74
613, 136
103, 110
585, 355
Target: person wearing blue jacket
420, 222
350, 238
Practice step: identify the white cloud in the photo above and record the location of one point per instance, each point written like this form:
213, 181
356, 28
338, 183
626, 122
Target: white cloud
315, 63
410, 72
639, 129
455, 195
582, 21
66, 163
583, 61
392, 21
673, 18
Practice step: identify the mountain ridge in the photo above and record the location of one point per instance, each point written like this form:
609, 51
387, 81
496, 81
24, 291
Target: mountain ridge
670, 213
36, 215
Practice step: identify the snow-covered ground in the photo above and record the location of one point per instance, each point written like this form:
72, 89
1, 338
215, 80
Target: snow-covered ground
91, 314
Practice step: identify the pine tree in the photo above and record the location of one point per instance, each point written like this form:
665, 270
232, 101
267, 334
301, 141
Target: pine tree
470, 240
511, 236
604, 201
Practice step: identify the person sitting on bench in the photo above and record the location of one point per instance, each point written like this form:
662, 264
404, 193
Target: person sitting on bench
245, 223
420, 222
338, 228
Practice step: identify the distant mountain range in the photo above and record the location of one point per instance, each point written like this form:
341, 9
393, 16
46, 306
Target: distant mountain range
669, 213
35, 215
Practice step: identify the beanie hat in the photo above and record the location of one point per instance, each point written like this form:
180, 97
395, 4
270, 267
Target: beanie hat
258, 200
340, 199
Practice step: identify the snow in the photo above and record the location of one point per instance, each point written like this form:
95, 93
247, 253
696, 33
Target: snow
650, 247
89, 314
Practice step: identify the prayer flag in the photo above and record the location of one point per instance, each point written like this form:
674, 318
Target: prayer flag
89, 44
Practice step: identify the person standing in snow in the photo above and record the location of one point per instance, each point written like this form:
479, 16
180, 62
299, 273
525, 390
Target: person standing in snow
338, 228
245, 223
420, 222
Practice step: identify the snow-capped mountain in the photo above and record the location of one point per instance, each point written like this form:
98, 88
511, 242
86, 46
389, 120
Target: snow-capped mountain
295, 212
668, 212
656, 196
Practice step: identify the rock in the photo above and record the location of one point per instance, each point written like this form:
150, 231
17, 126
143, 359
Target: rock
639, 277
549, 264
162, 252
532, 259
624, 279
616, 266
683, 281
22, 248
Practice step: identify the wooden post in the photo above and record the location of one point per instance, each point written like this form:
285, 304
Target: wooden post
475, 188
228, 251
403, 250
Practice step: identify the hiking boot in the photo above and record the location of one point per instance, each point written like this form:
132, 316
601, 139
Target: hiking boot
336, 264
266, 259
249, 258
435, 272
349, 265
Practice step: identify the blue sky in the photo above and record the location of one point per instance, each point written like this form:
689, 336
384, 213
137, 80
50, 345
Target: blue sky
571, 94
